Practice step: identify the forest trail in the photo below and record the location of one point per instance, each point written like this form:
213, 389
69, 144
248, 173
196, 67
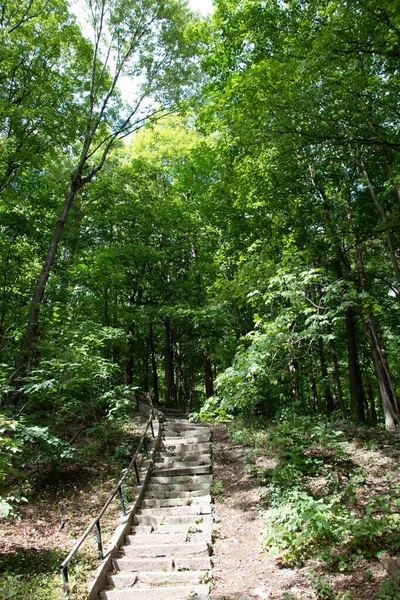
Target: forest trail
166, 555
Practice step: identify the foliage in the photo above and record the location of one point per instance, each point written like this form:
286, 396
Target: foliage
389, 591
303, 519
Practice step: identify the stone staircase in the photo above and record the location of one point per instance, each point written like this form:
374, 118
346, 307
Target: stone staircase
167, 554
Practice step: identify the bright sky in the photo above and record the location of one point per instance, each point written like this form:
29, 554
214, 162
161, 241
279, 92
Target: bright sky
204, 6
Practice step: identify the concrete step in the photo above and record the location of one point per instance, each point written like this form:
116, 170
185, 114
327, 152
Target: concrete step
161, 493
187, 437
175, 463
179, 471
185, 441
170, 484
175, 501
186, 528
155, 593
189, 520
166, 550
184, 453
140, 565
158, 578
192, 509
157, 539
193, 457
177, 427
182, 446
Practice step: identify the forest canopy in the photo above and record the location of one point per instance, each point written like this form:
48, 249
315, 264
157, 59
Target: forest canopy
224, 237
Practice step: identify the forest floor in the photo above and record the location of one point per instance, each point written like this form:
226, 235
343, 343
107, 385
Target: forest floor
62, 503
242, 566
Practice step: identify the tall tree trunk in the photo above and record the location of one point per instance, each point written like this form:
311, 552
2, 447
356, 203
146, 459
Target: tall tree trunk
208, 375
294, 379
170, 390
32, 326
129, 360
180, 376
315, 392
338, 382
389, 400
235, 311
382, 213
155, 395
146, 356
356, 384
328, 392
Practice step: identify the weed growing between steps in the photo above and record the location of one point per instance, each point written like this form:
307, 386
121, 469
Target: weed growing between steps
331, 499
62, 501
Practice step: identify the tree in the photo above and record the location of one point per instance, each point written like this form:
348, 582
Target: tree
144, 40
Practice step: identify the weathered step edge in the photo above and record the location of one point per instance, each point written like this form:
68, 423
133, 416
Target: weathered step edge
124, 527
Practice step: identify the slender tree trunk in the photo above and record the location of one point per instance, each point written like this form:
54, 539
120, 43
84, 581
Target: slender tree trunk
191, 375
32, 326
294, 379
315, 392
155, 396
389, 400
146, 357
235, 311
382, 213
328, 392
356, 385
373, 417
170, 390
180, 376
208, 375
338, 382
129, 360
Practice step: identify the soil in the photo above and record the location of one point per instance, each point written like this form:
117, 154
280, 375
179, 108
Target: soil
240, 564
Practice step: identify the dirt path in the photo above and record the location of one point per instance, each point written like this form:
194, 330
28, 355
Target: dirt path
240, 567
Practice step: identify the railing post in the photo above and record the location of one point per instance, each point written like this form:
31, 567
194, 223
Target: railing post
152, 428
121, 500
65, 581
99, 542
136, 472
144, 446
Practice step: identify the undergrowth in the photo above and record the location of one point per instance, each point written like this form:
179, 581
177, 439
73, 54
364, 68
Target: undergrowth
63, 493
319, 504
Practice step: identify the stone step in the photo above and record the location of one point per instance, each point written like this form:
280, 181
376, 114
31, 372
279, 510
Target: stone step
193, 457
170, 484
160, 579
161, 493
175, 501
185, 427
189, 520
182, 563
186, 436
154, 538
179, 429
166, 550
192, 509
183, 452
182, 446
148, 593
176, 463
185, 441
179, 471
203, 527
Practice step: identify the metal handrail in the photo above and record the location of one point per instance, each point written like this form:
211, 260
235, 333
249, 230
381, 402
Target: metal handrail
95, 524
